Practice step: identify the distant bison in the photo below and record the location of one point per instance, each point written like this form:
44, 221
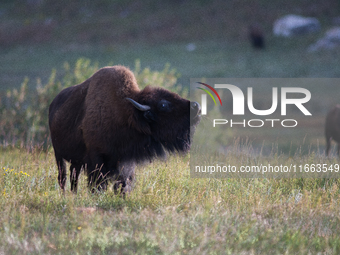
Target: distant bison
256, 36
106, 125
332, 128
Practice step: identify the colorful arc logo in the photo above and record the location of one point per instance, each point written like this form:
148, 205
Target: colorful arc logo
204, 97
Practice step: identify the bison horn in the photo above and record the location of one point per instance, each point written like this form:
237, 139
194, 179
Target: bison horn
138, 105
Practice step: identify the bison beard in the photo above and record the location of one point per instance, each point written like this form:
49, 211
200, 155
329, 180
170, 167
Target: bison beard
107, 125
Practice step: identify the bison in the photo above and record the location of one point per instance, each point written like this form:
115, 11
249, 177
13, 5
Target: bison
332, 128
106, 125
256, 36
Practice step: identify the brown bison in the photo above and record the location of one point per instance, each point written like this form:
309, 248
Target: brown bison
106, 125
332, 128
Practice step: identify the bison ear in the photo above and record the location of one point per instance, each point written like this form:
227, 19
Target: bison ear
149, 116
140, 121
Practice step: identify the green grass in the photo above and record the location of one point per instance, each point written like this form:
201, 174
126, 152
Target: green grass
168, 212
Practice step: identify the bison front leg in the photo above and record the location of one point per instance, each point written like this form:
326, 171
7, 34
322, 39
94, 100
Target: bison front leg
97, 173
97, 179
125, 178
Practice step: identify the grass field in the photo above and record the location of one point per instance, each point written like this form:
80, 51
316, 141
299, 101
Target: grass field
168, 212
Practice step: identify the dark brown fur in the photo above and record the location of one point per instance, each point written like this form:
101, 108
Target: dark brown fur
332, 128
94, 126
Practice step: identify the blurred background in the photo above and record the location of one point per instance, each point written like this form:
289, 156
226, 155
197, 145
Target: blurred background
200, 38
192, 38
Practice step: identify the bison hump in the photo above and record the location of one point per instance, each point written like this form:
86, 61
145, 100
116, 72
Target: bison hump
106, 106
108, 88
113, 81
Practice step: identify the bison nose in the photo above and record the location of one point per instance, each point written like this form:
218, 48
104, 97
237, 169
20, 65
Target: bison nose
195, 108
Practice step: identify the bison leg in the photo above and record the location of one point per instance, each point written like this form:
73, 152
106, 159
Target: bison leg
97, 174
74, 175
125, 178
328, 145
97, 180
61, 172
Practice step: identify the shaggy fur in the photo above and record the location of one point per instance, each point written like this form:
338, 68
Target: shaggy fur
332, 128
94, 126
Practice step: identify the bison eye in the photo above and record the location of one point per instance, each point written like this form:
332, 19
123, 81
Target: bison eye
164, 106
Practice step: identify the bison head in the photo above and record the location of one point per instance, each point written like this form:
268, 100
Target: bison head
166, 117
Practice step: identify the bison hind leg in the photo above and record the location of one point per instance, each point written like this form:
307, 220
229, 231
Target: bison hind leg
328, 145
61, 172
74, 176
